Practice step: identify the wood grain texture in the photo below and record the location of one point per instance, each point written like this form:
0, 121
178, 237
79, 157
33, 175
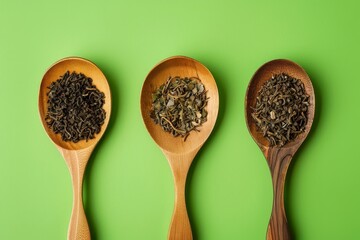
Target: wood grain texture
76, 155
76, 162
179, 154
180, 164
277, 158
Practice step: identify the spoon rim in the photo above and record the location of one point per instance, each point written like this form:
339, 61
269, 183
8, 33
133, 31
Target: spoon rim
254, 82
56, 138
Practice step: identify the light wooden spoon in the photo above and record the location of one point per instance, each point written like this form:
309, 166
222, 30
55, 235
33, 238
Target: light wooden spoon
77, 154
179, 154
278, 158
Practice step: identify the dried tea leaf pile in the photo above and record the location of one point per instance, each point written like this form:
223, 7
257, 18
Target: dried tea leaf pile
75, 107
281, 109
179, 106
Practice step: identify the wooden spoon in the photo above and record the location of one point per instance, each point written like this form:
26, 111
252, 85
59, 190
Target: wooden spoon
76, 155
278, 158
178, 152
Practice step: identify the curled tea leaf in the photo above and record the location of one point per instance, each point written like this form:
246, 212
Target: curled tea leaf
75, 107
281, 109
179, 106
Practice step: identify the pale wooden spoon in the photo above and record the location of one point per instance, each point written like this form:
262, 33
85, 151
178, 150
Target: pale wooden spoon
77, 154
179, 154
278, 158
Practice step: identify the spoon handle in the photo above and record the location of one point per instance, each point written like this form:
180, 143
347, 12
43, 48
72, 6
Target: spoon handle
180, 228
76, 162
279, 161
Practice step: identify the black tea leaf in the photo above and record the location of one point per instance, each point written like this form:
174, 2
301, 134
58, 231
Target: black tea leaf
75, 107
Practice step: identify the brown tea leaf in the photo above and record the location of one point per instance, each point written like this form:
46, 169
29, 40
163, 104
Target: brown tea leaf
281, 109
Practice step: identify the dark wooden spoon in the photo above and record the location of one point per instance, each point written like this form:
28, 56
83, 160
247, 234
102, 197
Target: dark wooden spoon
278, 158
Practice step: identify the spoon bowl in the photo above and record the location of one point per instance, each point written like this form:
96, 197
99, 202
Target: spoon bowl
278, 158
76, 155
78, 65
182, 67
263, 74
178, 152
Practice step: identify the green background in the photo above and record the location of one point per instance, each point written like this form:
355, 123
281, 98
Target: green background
128, 187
